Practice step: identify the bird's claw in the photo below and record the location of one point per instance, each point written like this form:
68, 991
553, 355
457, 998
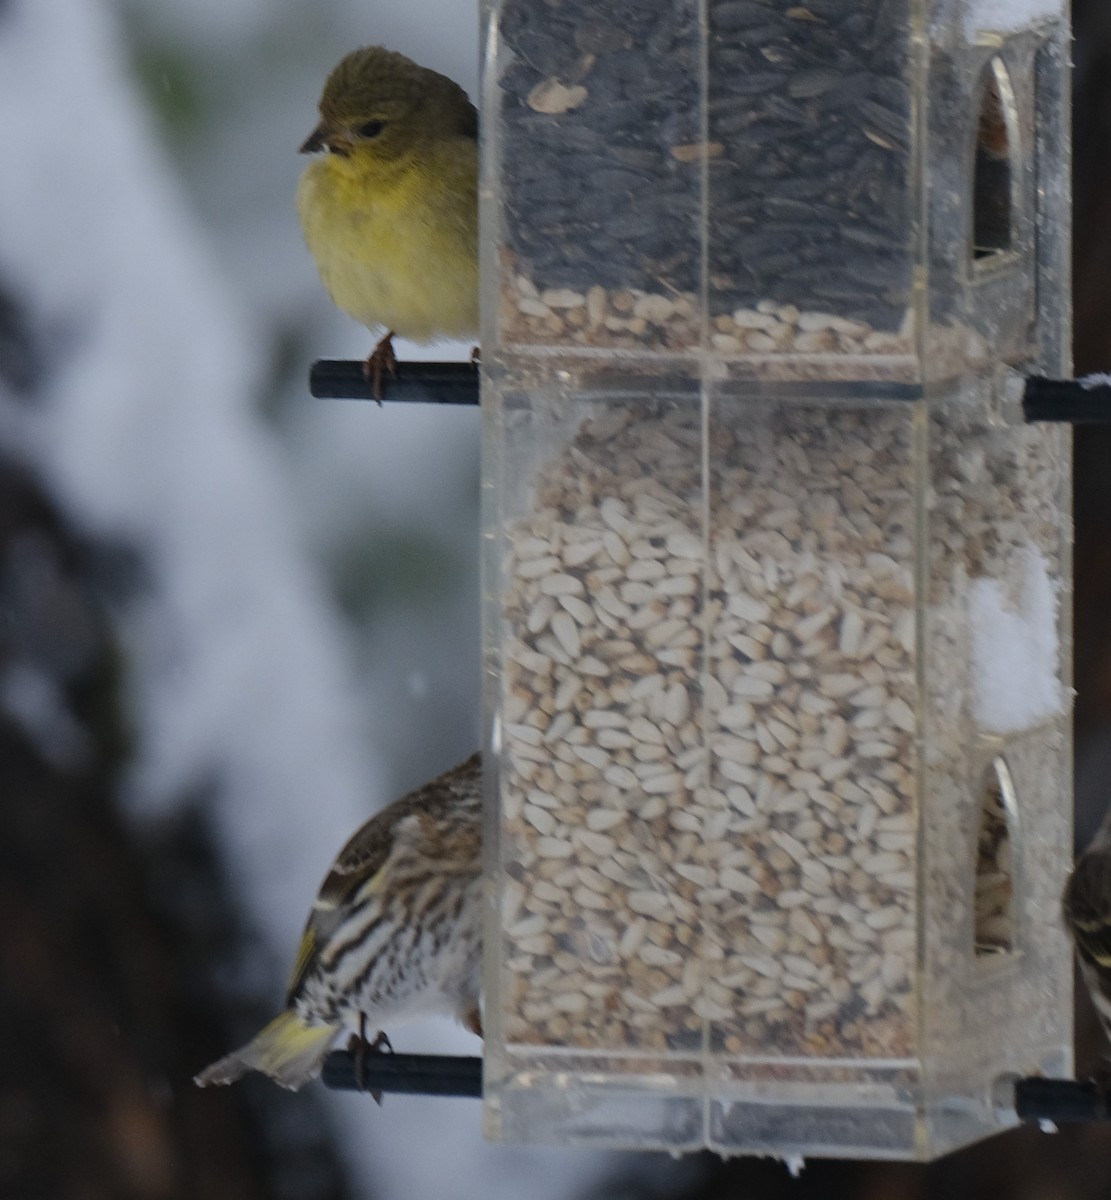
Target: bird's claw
380, 361
360, 1047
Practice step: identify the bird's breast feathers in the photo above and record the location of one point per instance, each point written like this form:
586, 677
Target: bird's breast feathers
398, 253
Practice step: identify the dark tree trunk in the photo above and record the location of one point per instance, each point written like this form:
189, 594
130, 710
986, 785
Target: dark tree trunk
108, 949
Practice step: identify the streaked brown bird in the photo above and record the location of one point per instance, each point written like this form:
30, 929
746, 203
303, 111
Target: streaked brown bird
394, 932
1087, 905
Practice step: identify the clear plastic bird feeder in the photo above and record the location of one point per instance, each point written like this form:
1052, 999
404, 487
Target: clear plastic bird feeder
776, 579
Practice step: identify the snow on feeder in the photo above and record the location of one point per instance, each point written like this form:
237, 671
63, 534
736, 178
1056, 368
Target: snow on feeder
776, 580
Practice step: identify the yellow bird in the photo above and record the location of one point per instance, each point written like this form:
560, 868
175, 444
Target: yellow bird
390, 211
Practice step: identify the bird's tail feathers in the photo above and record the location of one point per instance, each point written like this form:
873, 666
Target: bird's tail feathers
287, 1050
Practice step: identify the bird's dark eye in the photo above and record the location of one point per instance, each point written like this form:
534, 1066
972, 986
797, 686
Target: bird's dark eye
371, 129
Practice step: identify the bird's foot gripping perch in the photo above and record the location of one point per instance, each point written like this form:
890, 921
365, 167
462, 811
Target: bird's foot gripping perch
380, 361
361, 1048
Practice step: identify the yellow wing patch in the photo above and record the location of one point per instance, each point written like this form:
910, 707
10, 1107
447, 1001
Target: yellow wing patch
371, 887
325, 917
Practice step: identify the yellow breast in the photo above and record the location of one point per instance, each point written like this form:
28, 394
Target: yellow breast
398, 248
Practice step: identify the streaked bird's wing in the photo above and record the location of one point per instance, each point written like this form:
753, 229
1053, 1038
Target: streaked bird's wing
357, 866
360, 860
362, 857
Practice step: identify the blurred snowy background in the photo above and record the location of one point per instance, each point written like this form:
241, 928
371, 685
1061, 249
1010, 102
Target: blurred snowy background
299, 617
293, 586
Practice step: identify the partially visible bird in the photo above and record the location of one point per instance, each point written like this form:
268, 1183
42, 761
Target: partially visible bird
390, 212
1087, 907
394, 932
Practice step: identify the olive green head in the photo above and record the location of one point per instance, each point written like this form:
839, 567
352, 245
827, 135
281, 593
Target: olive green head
381, 103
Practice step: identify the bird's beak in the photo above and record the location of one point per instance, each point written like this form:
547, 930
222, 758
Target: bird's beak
316, 141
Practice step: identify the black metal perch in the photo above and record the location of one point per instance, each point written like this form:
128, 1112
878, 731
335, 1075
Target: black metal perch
1060, 1101
1079, 401
405, 1074
1039, 1100
414, 382
1075, 401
